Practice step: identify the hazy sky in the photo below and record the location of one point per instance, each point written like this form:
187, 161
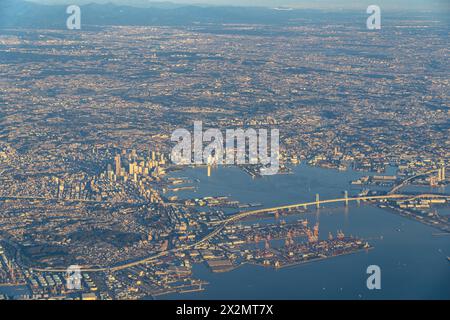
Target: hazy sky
330, 4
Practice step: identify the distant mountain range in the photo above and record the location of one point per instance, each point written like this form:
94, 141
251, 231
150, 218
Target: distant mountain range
19, 13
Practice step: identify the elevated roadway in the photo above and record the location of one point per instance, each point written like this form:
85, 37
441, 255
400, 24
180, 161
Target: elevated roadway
237, 217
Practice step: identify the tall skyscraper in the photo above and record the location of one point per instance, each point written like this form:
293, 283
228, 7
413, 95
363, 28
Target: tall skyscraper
117, 164
131, 168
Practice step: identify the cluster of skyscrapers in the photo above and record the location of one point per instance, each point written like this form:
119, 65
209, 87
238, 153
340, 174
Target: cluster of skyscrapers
441, 177
137, 166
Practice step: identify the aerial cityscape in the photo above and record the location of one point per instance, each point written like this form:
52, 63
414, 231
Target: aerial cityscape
90, 186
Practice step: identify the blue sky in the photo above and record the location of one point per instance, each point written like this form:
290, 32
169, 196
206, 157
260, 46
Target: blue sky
323, 4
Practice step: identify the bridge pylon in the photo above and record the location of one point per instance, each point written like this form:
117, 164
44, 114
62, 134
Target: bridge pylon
346, 197
317, 201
